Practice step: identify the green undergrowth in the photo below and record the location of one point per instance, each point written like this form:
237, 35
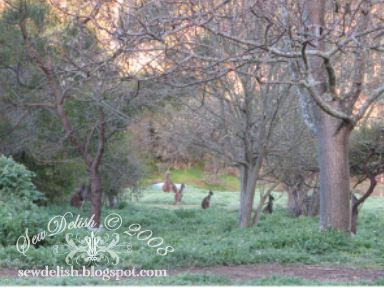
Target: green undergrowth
211, 237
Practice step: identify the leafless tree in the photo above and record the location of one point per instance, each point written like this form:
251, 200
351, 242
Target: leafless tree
235, 119
330, 47
293, 160
349, 35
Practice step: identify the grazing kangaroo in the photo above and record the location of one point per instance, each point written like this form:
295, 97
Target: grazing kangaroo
179, 194
269, 207
206, 200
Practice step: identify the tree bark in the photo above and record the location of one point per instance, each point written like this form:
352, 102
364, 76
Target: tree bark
295, 200
96, 187
259, 208
332, 142
96, 191
247, 194
332, 130
314, 207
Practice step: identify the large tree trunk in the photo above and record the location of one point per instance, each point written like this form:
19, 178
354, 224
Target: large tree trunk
249, 177
96, 187
96, 190
292, 204
296, 196
332, 141
331, 132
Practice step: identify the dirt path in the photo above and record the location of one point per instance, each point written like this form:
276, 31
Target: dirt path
311, 272
8, 272
248, 272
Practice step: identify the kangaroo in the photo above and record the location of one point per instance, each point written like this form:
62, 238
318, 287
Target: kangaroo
206, 200
179, 194
269, 207
168, 184
77, 198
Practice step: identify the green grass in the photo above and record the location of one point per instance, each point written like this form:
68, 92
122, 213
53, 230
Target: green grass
294, 281
212, 237
186, 279
196, 177
182, 279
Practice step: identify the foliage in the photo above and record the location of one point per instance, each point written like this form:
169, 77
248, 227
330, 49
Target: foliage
17, 197
185, 279
366, 153
56, 179
121, 167
16, 187
211, 237
182, 279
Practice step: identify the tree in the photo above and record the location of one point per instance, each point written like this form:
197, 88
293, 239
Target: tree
366, 162
68, 79
318, 42
336, 95
235, 119
293, 162
121, 169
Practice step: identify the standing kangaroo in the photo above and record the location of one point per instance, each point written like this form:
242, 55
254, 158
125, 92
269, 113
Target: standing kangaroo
269, 207
179, 194
206, 200
168, 183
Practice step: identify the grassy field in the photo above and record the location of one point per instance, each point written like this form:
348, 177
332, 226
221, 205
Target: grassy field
197, 177
206, 238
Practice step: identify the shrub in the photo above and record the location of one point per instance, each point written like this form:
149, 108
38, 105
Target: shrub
16, 187
57, 179
17, 197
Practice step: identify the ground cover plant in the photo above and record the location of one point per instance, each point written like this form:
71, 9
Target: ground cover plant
208, 238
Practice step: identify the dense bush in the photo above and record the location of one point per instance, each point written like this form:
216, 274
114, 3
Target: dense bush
17, 197
56, 179
16, 187
121, 168
366, 150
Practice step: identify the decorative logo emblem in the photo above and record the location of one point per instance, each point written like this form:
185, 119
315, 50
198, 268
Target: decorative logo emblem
92, 249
